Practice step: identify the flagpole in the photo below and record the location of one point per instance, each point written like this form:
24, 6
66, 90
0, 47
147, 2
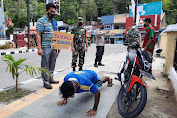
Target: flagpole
4, 26
28, 22
136, 3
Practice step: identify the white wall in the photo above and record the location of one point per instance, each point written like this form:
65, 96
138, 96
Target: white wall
3, 42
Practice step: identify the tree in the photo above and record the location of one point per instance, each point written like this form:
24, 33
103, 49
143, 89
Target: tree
105, 7
14, 68
19, 22
121, 6
68, 12
91, 12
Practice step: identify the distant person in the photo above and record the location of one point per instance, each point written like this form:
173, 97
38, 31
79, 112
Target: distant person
83, 81
45, 28
149, 39
79, 44
133, 35
100, 42
89, 41
53, 43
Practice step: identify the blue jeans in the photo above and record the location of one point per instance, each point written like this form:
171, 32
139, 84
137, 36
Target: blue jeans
48, 61
99, 82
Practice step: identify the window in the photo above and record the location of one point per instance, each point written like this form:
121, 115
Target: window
107, 27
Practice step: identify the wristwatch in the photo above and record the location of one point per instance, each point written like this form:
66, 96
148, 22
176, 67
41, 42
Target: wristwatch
95, 108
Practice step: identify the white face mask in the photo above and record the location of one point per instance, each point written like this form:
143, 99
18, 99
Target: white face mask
133, 27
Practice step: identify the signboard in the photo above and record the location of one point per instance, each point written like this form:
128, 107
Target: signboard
61, 40
108, 19
141, 23
118, 41
120, 18
57, 4
148, 9
1, 22
155, 22
116, 31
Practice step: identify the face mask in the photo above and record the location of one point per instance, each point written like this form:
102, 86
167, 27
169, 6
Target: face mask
133, 27
80, 23
51, 15
145, 25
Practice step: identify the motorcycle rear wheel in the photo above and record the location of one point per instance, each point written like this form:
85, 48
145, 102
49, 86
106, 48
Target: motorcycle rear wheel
126, 103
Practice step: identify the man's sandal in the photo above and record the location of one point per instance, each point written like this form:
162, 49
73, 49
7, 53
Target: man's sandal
110, 85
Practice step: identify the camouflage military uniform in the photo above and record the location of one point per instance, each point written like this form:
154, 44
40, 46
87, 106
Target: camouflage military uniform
79, 46
133, 36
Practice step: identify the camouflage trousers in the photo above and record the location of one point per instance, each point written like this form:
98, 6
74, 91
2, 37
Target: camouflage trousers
81, 53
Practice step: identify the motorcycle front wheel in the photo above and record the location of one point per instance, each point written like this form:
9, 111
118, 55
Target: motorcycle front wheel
132, 104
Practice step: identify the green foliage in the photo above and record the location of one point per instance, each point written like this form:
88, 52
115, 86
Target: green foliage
16, 68
105, 7
71, 9
19, 22
37, 10
9, 30
121, 6
91, 11
6, 46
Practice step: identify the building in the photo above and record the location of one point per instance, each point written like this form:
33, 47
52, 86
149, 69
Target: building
171, 48
116, 24
149, 10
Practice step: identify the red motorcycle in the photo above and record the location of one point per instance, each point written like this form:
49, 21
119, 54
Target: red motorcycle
132, 96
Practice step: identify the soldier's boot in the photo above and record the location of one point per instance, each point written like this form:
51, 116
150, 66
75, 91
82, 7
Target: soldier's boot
80, 68
96, 65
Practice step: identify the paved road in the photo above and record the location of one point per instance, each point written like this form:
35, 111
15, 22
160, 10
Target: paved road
63, 62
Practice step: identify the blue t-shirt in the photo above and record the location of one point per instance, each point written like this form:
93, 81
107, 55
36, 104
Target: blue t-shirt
47, 28
86, 79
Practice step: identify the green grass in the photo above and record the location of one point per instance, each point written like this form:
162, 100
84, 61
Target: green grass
11, 95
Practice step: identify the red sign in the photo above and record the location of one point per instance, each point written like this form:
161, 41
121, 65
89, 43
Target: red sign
155, 22
141, 23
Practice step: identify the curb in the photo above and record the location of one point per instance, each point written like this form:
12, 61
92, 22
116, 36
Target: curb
17, 52
173, 77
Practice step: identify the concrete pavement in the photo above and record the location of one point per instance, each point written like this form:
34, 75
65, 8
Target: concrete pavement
42, 103
63, 63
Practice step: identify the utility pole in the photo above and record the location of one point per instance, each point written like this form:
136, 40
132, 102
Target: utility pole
4, 25
136, 4
28, 17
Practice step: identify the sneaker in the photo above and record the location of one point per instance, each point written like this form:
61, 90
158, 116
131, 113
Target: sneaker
74, 69
95, 65
54, 82
47, 86
100, 64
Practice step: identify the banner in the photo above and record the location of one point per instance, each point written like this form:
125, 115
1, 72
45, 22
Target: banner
1, 23
57, 4
61, 40
116, 31
147, 9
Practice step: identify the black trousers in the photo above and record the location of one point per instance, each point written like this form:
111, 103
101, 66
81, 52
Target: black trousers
99, 54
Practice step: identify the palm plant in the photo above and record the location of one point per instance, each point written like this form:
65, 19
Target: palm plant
16, 68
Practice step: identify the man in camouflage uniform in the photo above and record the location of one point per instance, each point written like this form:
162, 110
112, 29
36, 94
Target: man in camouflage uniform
133, 35
78, 44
